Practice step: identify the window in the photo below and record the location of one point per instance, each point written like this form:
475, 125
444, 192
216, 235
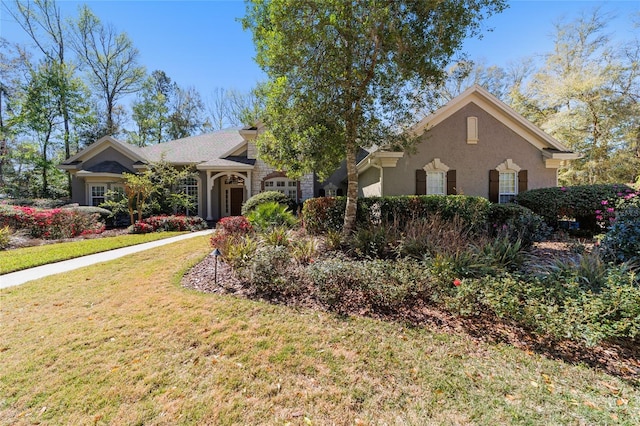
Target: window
286, 186
436, 183
507, 187
189, 187
97, 194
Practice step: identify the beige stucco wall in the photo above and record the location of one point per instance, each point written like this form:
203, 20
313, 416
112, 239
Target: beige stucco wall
448, 142
369, 184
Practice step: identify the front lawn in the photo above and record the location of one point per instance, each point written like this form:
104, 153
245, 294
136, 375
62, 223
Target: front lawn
29, 257
123, 343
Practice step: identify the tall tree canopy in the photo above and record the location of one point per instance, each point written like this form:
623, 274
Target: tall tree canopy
350, 74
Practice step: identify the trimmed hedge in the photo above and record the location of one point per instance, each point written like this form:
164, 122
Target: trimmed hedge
579, 202
50, 223
327, 213
269, 197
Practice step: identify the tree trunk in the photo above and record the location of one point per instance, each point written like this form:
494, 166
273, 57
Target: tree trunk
352, 191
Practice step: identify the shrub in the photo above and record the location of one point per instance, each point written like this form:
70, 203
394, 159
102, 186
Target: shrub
370, 242
229, 231
622, 241
234, 225
378, 286
432, 235
237, 252
501, 254
270, 215
270, 272
327, 213
277, 236
558, 310
303, 250
168, 223
517, 223
50, 223
268, 197
580, 202
324, 214
5, 237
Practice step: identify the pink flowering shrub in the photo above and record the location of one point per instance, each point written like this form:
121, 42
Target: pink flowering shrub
168, 223
50, 223
229, 229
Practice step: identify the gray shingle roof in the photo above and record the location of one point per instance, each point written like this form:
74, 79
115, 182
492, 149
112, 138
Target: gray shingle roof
208, 148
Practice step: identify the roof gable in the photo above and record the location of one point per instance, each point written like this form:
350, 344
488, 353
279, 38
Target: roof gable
496, 108
103, 143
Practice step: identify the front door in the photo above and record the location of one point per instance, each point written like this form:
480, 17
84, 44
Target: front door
236, 195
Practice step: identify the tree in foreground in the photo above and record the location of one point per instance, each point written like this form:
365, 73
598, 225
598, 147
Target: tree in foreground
343, 75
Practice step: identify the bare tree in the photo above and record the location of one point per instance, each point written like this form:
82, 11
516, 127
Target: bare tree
111, 59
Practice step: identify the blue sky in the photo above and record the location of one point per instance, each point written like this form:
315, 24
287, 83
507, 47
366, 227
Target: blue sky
202, 44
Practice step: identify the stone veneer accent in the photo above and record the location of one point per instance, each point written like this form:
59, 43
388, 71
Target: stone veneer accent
262, 170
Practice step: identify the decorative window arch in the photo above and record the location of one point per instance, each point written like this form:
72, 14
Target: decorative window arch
507, 181
278, 181
436, 177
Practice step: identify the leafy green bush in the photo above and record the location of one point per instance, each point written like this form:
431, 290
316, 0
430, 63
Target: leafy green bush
517, 223
271, 273
271, 215
580, 202
323, 214
268, 197
562, 311
622, 241
378, 286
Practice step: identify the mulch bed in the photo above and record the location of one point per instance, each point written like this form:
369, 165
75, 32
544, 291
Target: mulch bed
618, 358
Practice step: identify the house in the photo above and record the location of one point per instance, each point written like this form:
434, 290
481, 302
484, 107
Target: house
474, 145
228, 170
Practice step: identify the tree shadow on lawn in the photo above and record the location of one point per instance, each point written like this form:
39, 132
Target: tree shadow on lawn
619, 358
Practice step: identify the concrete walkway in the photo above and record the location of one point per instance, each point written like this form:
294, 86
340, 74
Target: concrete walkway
21, 277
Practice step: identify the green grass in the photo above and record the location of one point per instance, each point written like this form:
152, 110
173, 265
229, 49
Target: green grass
123, 343
29, 257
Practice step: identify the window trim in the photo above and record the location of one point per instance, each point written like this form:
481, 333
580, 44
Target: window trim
287, 186
436, 166
508, 167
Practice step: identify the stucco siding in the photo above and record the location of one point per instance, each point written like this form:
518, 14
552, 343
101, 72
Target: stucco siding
369, 184
472, 162
78, 193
